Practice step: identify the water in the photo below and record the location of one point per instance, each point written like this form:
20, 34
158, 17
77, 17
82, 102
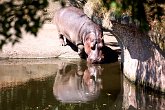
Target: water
61, 84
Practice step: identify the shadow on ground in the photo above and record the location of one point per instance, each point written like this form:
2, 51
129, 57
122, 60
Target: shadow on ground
110, 55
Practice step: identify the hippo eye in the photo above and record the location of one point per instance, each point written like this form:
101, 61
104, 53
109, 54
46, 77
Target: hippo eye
93, 43
92, 46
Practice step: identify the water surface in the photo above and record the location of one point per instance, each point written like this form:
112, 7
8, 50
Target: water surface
61, 84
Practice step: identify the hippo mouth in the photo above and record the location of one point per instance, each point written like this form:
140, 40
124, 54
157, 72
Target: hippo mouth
95, 61
95, 56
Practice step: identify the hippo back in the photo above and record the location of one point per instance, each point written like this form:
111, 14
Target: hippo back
69, 21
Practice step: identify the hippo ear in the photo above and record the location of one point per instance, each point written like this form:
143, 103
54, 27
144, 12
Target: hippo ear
92, 35
87, 37
100, 45
92, 45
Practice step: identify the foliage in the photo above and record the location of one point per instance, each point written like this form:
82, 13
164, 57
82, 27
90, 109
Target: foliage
28, 15
76, 3
143, 11
17, 15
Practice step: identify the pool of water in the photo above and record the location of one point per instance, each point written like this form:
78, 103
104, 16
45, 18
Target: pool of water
62, 84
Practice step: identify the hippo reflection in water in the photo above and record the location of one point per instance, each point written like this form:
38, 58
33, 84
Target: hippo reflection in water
75, 85
73, 25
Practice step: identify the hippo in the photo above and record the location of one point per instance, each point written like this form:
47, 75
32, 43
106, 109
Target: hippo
74, 25
74, 84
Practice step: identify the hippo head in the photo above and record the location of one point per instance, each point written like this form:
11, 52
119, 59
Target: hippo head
93, 47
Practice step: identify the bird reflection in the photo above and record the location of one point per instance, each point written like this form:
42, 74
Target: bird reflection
75, 83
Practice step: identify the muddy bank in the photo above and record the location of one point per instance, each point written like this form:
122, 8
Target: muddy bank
19, 71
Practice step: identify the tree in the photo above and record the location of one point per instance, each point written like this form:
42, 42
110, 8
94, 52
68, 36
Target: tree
144, 11
148, 14
29, 15
16, 15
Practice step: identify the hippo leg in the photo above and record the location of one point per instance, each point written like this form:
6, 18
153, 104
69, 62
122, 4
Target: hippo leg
62, 40
80, 50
